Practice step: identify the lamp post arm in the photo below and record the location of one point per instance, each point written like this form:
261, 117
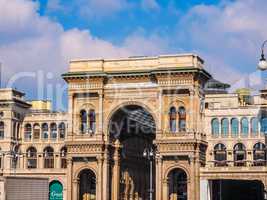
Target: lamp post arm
262, 50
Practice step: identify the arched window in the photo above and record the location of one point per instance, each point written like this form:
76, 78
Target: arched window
177, 185
220, 155
28, 132
240, 154
62, 130
56, 191
36, 131
244, 126
254, 126
182, 118
63, 157
234, 127
31, 158
264, 125
83, 118
225, 127
215, 127
53, 129
172, 115
2, 130
259, 154
92, 121
45, 131
48, 157
87, 184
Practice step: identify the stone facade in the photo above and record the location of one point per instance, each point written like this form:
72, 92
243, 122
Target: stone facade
107, 99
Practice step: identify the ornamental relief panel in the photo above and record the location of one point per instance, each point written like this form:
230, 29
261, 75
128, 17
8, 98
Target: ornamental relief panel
175, 147
85, 148
75, 86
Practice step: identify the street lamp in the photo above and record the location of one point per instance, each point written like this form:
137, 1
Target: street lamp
150, 154
263, 66
263, 63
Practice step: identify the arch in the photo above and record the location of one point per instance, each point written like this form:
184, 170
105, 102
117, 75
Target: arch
48, 155
240, 154
176, 103
55, 190
175, 166
132, 121
31, 157
45, 130
62, 130
130, 126
172, 119
225, 127
234, 127
177, 184
215, 127
87, 184
2, 130
81, 168
28, 132
126, 103
254, 124
244, 126
53, 131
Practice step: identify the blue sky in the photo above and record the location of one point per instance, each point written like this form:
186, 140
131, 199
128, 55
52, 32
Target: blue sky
39, 37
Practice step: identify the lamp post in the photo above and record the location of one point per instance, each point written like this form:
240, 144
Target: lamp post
150, 154
263, 63
263, 67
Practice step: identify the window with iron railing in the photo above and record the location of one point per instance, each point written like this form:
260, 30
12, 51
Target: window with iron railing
48, 157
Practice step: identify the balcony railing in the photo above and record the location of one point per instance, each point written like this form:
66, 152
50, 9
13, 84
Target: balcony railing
239, 163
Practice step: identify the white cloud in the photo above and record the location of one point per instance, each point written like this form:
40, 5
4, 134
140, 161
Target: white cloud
230, 32
54, 5
33, 42
150, 5
88, 8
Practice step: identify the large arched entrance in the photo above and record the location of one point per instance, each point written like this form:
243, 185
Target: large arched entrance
87, 185
134, 128
177, 185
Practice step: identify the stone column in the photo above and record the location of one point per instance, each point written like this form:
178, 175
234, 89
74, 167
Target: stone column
100, 117
161, 111
191, 182
190, 121
99, 179
69, 179
71, 119
75, 189
165, 192
39, 161
116, 172
106, 177
197, 178
159, 177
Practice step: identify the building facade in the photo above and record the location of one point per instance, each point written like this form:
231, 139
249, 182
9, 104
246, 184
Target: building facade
199, 142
